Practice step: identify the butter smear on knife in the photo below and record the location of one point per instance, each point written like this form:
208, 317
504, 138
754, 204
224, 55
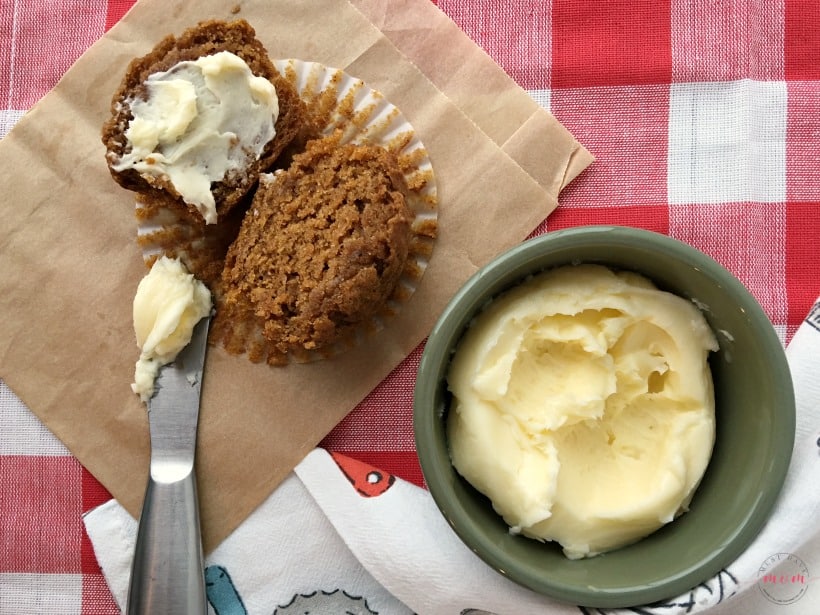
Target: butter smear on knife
168, 304
584, 407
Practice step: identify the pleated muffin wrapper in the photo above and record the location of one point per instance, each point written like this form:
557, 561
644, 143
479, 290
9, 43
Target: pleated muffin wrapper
337, 103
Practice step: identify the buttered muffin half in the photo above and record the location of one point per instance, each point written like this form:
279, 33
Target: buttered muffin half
196, 120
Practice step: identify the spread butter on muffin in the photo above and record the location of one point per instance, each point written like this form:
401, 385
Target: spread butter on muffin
195, 121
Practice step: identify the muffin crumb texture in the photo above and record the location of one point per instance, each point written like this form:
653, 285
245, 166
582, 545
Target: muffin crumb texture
321, 247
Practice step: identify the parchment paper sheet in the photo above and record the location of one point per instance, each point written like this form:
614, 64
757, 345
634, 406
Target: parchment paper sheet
70, 264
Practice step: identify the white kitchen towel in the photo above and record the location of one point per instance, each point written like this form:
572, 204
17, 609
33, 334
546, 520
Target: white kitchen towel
285, 558
339, 536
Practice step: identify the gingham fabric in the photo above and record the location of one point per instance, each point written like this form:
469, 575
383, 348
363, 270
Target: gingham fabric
704, 118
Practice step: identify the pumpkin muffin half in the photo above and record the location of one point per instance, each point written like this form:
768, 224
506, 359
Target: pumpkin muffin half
195, 121
321, 248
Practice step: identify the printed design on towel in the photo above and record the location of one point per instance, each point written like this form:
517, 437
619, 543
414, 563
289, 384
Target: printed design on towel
322, 603
714, 591
225, 599
813, 319
368, 481
222, 593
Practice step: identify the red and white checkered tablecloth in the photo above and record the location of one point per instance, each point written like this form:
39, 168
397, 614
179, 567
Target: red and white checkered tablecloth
704, 118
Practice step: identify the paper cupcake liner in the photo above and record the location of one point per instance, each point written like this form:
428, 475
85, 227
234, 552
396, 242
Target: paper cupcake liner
336, 101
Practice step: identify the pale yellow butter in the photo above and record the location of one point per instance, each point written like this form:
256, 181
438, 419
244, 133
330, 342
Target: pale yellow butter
201, 120
168, 303
584, 407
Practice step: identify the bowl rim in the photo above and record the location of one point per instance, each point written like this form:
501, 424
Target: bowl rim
437, 472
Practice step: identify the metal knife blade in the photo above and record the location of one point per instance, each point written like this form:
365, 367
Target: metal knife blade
167, 574
173, 411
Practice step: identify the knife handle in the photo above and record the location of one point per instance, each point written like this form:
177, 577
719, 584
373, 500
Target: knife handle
167, 575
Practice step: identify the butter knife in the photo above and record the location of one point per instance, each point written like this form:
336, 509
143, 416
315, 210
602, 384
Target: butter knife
167, 572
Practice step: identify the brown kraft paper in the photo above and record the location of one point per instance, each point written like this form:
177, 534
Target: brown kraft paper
71, 265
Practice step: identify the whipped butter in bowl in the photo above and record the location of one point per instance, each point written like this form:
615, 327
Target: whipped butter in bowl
605, 416
583, 407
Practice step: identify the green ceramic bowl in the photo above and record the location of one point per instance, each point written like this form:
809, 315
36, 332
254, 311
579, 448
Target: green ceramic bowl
755, 427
